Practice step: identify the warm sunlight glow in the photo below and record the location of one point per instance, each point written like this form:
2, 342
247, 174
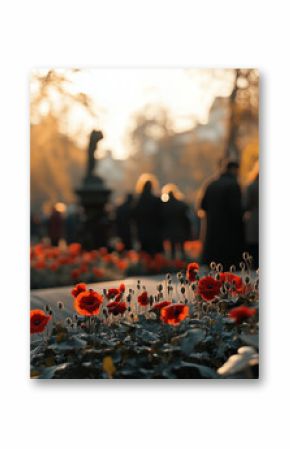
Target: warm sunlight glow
117, 94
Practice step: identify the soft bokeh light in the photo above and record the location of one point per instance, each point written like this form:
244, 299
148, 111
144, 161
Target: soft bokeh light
117, 94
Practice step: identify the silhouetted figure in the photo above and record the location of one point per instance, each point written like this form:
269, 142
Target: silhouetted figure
55, 227
124, 215
252, 220
224, 240
176, 222
148, 216
95, 137
72, 224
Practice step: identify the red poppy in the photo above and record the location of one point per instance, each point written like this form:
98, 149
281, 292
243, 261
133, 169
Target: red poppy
159, 305
38, 321
88, 303
174, 313
116, 292
74, 249
209, 288
54, 266
241, 313
237, 281
79, 288
143, 299
122, 264
75, 274
192, 269
112, 292
40, 264
116, 307
98, 272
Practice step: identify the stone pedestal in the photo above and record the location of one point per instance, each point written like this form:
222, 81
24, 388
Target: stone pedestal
94, 196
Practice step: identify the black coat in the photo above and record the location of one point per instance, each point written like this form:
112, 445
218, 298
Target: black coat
176, 221
224, 240
148, 217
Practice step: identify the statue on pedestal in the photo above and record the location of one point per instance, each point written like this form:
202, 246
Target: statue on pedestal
94, 196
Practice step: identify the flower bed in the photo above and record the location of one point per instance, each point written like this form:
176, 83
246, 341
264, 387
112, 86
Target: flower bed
197, 327
60, 266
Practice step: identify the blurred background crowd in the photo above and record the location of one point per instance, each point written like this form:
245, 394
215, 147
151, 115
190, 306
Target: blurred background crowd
180, 155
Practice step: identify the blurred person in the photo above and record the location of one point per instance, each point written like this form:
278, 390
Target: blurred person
222, 206
72, 224
176, 222
124, 215
148, 215
251, 206
55, 224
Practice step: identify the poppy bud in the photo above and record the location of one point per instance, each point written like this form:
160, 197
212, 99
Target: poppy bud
168, 276
193, 287
212, 265
179, 275
129, 309
130, 290
186, 282
105, 291
246, 255
50, 312
217, 276
60, 305
138, 281
160, 287
151, 300
242, 266
247, 279
138, 286
182, 290
128, 297
220, 267
232, 268
169, 282
68, 321
47, 308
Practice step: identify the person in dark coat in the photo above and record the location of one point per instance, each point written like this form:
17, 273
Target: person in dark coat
176, 222
148, 216
222, 204
252, 217
55, 226
124, 215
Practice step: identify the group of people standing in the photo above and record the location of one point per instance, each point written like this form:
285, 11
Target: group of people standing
153, 218
230, 218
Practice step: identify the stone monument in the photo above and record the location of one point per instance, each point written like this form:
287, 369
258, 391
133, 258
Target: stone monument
94, 196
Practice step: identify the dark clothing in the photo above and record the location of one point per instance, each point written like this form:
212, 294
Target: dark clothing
252, 221
176, 223
55, 227
148, 217
224, 241
72, 225
124, 215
